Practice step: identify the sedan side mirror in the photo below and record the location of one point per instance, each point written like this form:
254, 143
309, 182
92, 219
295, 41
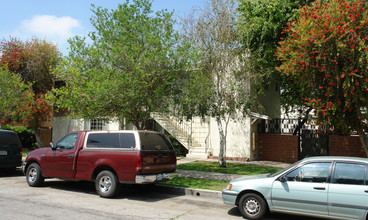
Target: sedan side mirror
282, 179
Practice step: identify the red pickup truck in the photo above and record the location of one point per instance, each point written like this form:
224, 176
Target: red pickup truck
106, 157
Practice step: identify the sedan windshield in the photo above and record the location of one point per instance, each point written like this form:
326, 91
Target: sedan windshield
283, 170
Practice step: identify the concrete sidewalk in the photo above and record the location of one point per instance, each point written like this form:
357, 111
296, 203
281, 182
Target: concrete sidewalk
260, 162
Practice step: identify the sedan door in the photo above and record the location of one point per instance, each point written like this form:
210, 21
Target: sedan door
303, 190
348, 192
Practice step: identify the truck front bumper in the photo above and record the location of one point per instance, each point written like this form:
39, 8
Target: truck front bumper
141, 179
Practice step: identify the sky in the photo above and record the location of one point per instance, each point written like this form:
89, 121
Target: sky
59, 20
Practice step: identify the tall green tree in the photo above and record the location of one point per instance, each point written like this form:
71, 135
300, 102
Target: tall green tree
33, 61
225, 91
324, 54
132, 67
12, 93
261, 24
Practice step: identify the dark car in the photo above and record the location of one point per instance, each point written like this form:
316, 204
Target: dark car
10, 150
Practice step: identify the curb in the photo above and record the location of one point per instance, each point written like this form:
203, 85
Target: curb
182, 191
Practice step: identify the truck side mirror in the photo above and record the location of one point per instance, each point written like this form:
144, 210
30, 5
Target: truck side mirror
53, 147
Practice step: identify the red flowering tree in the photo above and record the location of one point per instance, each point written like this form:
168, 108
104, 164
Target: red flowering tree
33, 61
33, 111
325, 63
14, 54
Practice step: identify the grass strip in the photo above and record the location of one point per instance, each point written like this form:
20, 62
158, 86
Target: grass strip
217, 185
232, 168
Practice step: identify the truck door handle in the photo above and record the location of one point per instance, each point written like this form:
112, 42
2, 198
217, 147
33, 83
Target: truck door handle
366, 191
70, 156
319, 188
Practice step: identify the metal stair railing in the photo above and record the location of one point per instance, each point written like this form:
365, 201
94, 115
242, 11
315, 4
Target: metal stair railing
180, 129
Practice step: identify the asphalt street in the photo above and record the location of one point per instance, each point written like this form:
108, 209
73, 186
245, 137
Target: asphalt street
59, 199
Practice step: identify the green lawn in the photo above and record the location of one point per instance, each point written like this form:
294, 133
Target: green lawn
232, 168
194, 183
218, 185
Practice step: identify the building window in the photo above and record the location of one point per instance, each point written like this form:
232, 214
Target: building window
97, 124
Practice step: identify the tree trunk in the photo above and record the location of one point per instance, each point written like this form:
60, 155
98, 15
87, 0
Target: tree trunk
222, 153
364, 141
36, 131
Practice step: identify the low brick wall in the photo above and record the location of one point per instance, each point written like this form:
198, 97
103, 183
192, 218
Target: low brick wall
284, 148
275, 147
346, 146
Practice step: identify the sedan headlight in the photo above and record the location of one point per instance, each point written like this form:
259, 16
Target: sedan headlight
229, 186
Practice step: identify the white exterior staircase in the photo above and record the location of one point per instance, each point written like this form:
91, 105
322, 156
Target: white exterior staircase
191, 134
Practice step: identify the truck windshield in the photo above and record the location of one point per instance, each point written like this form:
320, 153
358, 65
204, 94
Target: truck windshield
154, 141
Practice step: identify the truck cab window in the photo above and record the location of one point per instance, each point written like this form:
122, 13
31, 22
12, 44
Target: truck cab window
67, 142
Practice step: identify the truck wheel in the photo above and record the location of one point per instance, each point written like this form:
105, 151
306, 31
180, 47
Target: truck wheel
107, 184
34, 175
252, 206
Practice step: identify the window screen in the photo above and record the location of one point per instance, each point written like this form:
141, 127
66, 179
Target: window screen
97, 124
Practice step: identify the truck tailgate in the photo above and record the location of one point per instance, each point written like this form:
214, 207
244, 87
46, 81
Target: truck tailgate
158, 162
157, 153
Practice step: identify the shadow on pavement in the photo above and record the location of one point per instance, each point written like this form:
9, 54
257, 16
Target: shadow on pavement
272, 216
148, 193
10, 172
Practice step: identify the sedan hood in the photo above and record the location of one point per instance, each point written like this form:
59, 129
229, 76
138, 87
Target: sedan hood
250, 177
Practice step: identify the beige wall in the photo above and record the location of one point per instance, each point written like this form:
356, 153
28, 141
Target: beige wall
64, 125
238, 139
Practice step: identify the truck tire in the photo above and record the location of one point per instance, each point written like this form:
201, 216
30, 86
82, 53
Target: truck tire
34, 175
107, 184
252, 206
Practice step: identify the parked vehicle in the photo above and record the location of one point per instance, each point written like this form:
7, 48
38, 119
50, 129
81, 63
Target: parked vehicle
10, 150
330, 187
106, 157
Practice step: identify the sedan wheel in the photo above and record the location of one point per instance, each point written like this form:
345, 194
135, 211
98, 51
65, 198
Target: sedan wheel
252, 206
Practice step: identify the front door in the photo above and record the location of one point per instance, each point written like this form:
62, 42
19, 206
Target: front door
305, 190
59, 161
